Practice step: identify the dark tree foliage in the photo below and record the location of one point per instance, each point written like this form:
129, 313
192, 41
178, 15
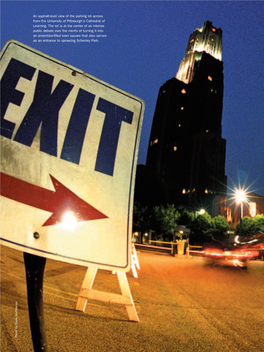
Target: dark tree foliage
163, 220
220, 227
251, 226
141, 218
186, 217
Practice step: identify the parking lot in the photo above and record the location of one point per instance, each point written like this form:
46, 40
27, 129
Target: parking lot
184, 304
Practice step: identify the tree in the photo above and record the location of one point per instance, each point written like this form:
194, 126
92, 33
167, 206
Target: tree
251, 226
140, 218
164, 220
186, 217
247, 226
201, 228
219, 226
259, 223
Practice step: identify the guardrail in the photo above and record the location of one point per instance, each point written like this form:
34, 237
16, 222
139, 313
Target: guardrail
163, 248
170, 243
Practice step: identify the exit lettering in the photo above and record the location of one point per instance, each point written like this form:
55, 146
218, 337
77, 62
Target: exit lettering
43, 114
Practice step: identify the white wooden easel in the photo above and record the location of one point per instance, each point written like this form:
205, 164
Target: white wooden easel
134, 261
125, 297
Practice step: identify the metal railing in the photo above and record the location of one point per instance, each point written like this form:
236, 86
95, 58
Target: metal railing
170, 245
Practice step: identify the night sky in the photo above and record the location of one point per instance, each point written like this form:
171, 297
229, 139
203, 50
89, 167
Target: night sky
146, 40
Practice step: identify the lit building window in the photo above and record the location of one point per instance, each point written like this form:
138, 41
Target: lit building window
252, 209
210, 78
228, 215
175, 148
206, 191
154, 142
183, 191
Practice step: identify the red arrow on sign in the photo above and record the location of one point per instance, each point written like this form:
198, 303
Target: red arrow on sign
56, 202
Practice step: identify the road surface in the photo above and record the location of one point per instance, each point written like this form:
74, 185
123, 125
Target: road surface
184, 304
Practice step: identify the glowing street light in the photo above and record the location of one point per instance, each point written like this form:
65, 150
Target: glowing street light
199, 212
240, 197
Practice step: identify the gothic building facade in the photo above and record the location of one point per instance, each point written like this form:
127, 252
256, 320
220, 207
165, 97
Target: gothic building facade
186, 150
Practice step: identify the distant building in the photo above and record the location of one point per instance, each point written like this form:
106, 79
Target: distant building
253, 206
186, 150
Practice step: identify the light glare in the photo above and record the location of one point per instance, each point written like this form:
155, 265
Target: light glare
69, 220
240, 196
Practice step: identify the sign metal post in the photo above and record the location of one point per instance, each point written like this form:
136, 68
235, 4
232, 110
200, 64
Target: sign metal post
34, 266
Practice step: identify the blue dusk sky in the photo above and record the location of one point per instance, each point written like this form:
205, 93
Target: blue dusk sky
146, 40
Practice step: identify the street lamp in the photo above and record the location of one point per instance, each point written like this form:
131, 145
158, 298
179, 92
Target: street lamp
240, 196
199, 212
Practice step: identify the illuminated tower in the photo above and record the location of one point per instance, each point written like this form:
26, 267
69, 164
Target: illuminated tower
186, 149
207, 39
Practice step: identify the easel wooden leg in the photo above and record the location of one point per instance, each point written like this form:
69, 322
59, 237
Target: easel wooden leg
87, 284
134, 261
124, 286
125, 298
134, 253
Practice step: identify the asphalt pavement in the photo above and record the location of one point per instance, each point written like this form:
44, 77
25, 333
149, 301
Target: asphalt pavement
184, 304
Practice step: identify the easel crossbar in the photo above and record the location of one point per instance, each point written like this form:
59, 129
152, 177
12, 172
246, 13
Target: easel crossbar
105, 296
